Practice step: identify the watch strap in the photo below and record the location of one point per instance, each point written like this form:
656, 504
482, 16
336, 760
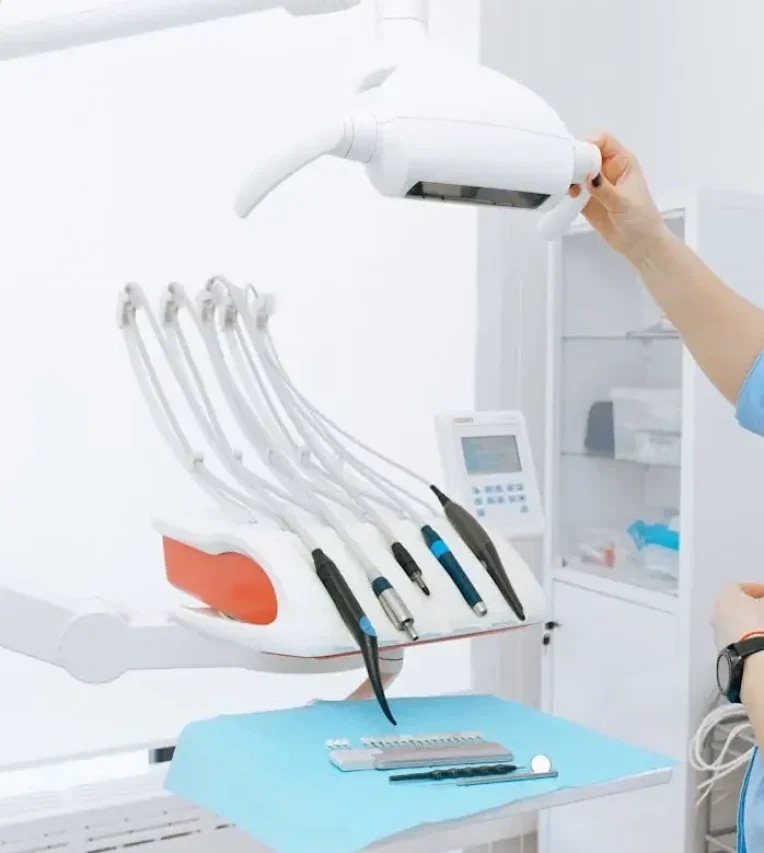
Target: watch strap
749, 645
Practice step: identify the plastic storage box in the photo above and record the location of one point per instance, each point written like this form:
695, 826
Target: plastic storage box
647, 425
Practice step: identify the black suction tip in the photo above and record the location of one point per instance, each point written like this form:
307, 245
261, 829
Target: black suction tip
370, 652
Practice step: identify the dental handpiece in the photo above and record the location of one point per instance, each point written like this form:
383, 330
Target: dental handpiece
356, 622
390, 601
445, 557
479, 542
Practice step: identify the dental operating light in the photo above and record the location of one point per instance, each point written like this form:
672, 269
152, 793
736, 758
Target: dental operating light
425, 123
430, 125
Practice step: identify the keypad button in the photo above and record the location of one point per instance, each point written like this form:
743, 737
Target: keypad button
500, 500
481, 513
498, 489
513, 498
478, 502
522, 499
490, 500
520, 488
475, 490
489, 490
524, 508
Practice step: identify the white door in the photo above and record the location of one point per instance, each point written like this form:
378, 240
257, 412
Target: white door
612, 668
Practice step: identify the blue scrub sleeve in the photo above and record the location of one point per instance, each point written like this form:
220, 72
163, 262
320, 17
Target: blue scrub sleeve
750, 401
751, 811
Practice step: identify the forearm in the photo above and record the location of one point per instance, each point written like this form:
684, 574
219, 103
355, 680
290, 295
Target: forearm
722, 330
752, 694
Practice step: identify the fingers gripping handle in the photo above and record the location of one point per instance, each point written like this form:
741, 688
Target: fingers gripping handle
587, 161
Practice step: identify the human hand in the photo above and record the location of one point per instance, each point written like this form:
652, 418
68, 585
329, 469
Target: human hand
739, 610
621, 208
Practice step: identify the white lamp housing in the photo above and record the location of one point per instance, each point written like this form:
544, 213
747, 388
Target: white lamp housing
434, 126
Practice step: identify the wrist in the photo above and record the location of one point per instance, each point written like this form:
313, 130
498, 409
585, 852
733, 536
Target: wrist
753, 675
648, 251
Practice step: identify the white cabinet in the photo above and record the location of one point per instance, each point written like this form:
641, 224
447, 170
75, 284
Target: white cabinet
612, 668
633, 652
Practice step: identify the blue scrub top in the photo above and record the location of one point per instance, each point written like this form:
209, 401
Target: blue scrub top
750, 415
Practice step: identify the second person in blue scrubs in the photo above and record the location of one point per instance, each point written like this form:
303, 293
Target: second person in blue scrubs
725, 334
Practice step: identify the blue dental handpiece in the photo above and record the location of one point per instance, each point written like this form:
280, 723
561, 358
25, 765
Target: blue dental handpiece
445, 557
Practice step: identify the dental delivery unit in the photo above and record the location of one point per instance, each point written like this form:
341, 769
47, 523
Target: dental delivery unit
314, 559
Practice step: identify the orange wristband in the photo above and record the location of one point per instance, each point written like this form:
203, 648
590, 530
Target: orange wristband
751, 634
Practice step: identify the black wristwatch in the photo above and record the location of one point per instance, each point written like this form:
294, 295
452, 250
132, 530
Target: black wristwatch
730, 663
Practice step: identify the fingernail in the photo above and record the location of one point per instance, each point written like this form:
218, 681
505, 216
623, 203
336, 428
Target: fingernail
597, 180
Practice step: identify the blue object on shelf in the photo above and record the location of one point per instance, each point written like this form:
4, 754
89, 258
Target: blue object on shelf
654, 534
269, 774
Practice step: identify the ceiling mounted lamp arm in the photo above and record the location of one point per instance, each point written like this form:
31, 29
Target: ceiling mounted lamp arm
131, 18
351, 138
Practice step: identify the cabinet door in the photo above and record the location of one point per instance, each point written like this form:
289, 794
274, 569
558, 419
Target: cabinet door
612, 669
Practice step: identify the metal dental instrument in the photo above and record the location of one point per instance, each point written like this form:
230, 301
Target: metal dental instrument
348, 607
540, 768
453, 773
257, 328
479, 542
288, 472
303, 428
482, 774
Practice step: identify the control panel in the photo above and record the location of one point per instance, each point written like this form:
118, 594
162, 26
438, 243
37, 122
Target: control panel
489, 470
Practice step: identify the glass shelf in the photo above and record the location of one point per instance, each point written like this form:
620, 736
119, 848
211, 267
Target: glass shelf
601, 457
625, 336
629, 575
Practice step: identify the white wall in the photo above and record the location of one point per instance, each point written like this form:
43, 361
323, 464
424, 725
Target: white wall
119, 163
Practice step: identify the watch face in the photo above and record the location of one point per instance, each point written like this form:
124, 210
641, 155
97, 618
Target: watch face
724, 671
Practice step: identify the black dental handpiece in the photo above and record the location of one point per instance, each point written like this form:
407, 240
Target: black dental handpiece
409, 565
479, 542
356, 621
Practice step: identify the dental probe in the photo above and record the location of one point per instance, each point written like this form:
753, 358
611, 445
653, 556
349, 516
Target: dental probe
290, 475
345, 602
399, 551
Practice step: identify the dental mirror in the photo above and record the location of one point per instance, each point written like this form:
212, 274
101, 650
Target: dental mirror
541, 764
